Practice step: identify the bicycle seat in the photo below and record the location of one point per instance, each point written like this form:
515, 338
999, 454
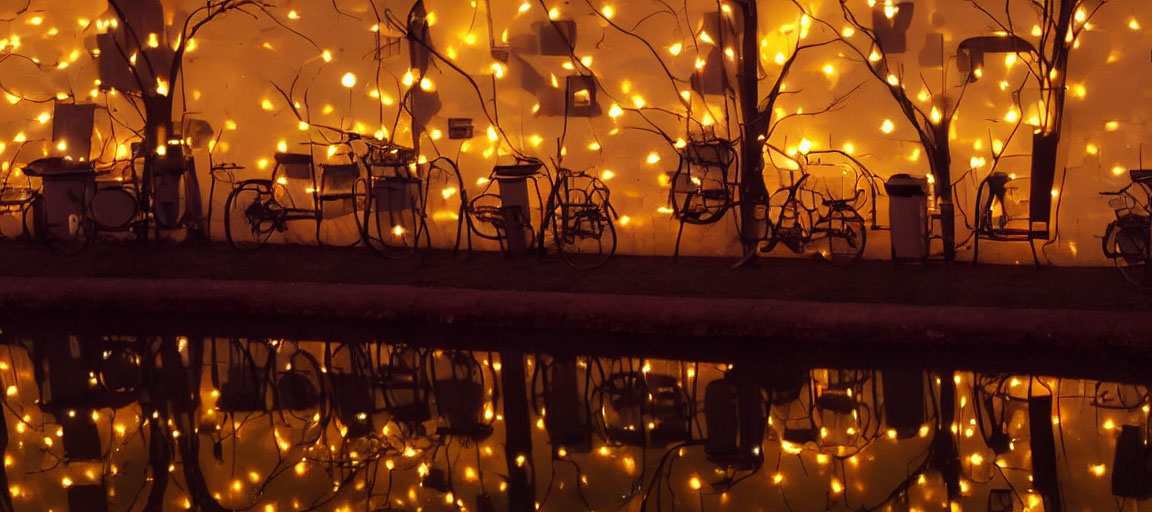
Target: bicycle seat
518, 170
1141, 175
293, 159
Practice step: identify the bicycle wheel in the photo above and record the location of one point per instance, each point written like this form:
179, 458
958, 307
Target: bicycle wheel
486, 218
1129, 246
846, 236
794, 229
585, 236
393, 234
703, 198
250, 216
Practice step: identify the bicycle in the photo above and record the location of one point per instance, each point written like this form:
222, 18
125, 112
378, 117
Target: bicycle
582, 220
1127, 239
703, 186
836, 220
254, 210
394, 216
505, 217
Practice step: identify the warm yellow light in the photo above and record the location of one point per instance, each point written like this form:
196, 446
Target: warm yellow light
608, 11
805, 146
887, 126
676, 49
349, 80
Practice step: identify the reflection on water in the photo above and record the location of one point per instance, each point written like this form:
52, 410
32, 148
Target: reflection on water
127, 423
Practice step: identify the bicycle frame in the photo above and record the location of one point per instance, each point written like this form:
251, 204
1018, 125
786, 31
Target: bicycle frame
579, 213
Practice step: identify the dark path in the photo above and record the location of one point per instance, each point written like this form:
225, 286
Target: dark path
1069, 321
881, 282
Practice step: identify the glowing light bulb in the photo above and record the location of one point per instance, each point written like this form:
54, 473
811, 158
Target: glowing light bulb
349, 80
887, 126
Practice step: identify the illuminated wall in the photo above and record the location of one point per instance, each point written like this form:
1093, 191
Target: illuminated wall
235, 64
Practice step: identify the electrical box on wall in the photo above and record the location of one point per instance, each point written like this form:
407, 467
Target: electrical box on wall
582, 96
460, 128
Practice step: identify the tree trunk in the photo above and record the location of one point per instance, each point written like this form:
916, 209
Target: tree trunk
518, 431
945, 456
940, 161
753, 193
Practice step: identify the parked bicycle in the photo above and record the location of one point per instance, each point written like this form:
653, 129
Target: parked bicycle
257, 208
806, 217
1127, 239
582, 219
505, 216
703, 186
394, 217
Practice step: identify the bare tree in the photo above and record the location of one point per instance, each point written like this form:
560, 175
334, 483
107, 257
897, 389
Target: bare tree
931, 114
144, 59
742, 87
1052, 28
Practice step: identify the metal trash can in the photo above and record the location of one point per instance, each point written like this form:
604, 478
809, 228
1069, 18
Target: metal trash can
908, 216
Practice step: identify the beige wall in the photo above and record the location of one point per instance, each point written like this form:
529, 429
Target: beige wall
231, 72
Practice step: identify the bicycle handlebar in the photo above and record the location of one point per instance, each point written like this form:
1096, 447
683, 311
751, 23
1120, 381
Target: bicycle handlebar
1120, 192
